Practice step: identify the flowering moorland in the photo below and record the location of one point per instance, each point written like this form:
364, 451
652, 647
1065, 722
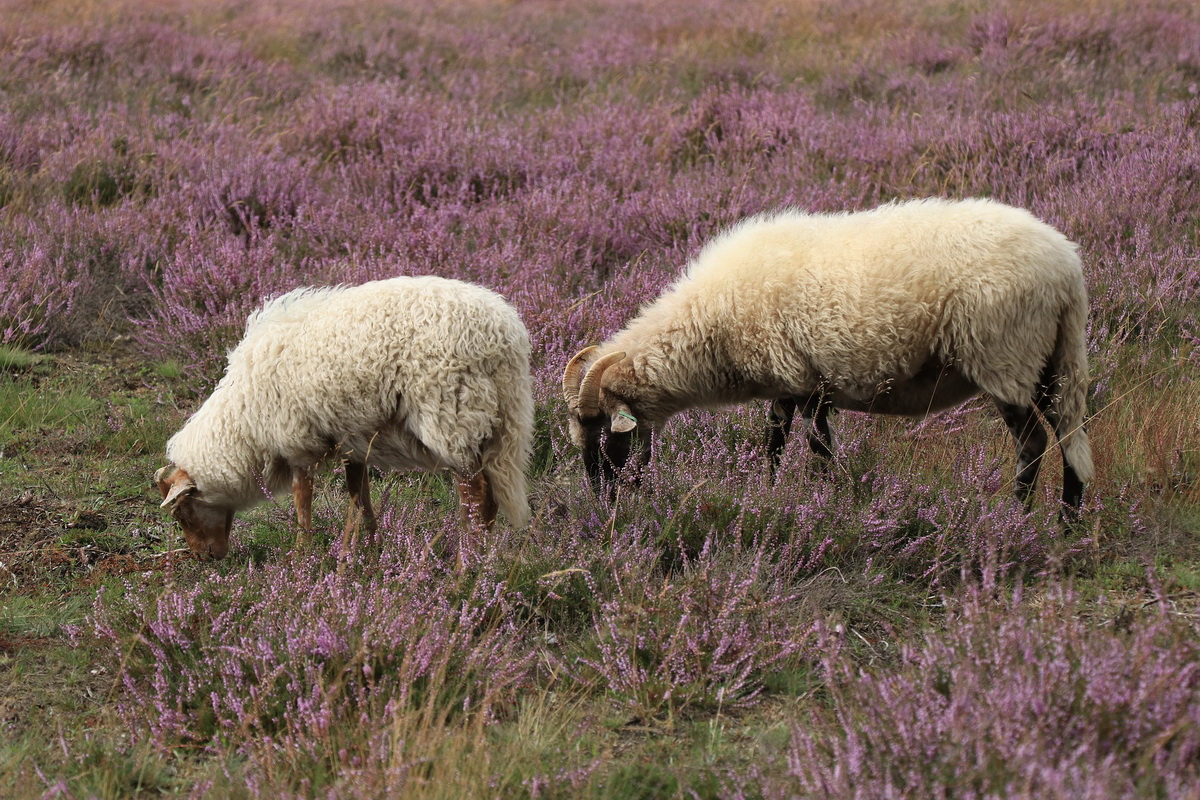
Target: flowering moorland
901, 628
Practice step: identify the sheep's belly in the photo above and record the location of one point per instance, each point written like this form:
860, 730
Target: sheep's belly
935, 387
394, 449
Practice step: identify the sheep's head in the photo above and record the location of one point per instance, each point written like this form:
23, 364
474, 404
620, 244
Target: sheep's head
603, 424
205, 527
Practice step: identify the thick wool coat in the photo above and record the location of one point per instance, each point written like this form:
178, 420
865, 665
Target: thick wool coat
407, 373
872, 309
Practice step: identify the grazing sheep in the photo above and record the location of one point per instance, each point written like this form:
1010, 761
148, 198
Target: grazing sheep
907, 309
407, 373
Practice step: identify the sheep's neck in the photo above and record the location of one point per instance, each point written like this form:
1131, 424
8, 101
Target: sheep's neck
680, 358
671, 375
230, 469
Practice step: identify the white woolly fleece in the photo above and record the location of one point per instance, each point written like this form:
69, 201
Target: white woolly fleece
406, 373
862, 301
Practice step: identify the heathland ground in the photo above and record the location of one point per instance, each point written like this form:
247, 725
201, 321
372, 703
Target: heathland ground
900, 628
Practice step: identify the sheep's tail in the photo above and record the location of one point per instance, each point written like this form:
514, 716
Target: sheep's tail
506, 456
1068, 398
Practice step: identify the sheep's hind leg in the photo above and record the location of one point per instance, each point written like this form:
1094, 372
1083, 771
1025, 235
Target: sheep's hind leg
478, 505
1072, 492
302, 492
360, 511
1031, 440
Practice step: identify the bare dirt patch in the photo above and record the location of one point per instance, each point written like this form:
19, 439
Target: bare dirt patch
29, 530
43, 538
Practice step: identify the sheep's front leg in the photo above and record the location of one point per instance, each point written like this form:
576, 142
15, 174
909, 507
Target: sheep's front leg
816, 427
779, 426
302, 492
815, 413
1031, 440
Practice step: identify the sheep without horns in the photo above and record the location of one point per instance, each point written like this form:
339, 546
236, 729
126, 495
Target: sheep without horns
407, 373
906, 309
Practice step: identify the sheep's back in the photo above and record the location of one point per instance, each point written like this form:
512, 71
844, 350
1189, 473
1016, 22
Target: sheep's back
358, 358
868, 296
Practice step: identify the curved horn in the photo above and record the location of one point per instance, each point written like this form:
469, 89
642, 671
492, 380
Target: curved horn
589, 391
571, 376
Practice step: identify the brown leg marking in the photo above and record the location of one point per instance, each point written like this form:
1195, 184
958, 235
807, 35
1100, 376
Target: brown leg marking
478, 506
302, 492
476, 500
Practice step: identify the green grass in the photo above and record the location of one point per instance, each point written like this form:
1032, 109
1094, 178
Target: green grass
169, 369
26, 409
17, 359
40, 616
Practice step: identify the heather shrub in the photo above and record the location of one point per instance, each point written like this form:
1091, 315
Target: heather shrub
53, 291
279, 662
378, 160
715, 632
28, 307
925, 503
697, 639
1009, 699
204, 294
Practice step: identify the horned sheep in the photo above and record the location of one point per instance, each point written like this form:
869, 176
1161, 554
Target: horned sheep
407, 373
906, 309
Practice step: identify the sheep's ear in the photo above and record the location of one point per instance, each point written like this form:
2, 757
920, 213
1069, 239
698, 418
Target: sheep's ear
177, 492
174, 486
623, 420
